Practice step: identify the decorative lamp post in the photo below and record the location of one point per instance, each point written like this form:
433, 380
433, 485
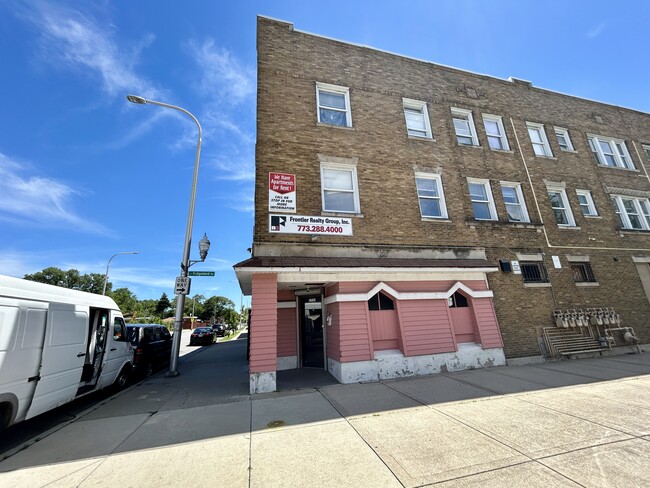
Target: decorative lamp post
182, 282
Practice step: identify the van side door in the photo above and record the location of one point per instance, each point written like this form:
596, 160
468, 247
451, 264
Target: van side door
64, 354
118, 352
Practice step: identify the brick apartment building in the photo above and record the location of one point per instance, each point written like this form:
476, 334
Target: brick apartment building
412, 218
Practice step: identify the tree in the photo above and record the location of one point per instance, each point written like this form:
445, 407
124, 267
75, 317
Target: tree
218, 309
92, 283
126, 300
163, 305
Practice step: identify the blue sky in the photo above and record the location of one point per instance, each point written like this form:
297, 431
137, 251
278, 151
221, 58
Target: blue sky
84, 174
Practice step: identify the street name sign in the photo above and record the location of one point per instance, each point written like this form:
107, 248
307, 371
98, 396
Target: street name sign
201, 273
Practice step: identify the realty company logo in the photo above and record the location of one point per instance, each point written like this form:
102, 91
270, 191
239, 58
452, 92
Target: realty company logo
277, 221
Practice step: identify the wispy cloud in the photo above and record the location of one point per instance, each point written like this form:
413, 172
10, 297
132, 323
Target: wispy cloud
32, 199
596, 31
76, 40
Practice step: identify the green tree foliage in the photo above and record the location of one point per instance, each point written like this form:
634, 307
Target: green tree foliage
92, 283
126, 300
219, 309
163, 306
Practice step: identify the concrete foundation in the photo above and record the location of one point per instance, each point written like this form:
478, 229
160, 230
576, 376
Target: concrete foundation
393, 364
287, 362
262, 382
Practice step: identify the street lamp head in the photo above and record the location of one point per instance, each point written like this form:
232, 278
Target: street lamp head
136, 99
204, 247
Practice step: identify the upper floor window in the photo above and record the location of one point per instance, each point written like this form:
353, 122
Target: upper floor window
514, 201
586, 203
560, 206
430, 196
538, 138
480, 194
495, 132
610, 152
380, 301
339, 188
563, 139
632, 213
333, 105
417, 118
582, 272
464, 127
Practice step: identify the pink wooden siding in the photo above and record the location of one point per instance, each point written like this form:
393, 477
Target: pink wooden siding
334, 332
488, 325
426, 327
286, 332
385, 329
354, 334
264, 324
404, 286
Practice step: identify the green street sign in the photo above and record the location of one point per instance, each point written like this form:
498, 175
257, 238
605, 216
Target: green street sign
201, 273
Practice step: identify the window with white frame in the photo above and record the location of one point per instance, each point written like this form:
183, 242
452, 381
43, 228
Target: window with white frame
480, 194
464, 127
586, 203
430, 196
417, 118
563, 139
333, 105
495, 132
632, 213
538, 138
560, 206
339, 188
514, 201
610, 152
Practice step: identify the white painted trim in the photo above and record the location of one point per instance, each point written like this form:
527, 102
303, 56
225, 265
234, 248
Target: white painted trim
357, 270
641, 259
364, 297
287, 304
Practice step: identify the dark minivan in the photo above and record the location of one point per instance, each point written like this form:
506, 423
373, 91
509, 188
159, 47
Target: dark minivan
152, 346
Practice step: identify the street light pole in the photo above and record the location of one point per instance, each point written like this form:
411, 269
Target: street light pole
109, 265
185, 263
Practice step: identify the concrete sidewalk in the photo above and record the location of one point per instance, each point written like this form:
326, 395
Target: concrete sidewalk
570, 423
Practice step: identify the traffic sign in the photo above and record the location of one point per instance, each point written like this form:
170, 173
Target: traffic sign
201, 273
182, 285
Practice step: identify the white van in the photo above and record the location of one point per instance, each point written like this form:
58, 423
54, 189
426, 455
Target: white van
56, 344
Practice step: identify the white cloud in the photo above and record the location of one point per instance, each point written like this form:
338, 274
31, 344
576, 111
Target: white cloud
39, 200
596, 31
76, 40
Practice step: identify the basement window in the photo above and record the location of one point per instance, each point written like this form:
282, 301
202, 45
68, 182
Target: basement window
582, 273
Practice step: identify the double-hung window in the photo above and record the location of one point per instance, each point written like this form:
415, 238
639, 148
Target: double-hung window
482, 202
333, 105
514, 201
560, 205
464, 127
586, 203
495, 132
610, 152
417, 118
430, 196
632, 213
563, 139
538, 139
339, 188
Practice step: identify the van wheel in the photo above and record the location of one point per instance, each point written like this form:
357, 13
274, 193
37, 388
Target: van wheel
149, 371
5, 416
122, 378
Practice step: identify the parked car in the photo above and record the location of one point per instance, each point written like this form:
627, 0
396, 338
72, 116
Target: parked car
152, 347
219, 330
202, 335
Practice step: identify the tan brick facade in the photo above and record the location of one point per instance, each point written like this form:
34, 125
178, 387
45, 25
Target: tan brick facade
290, 140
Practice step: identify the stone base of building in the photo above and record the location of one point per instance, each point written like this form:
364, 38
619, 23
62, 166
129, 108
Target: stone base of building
393, 364
287, 362
262, 382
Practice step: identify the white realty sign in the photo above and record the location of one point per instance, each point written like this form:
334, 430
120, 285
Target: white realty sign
282, 192
300, 224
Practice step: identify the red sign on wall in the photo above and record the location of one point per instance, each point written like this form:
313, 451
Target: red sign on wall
282, 192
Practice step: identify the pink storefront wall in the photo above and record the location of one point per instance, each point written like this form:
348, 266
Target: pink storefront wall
264, 324
425, 326
287, 332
